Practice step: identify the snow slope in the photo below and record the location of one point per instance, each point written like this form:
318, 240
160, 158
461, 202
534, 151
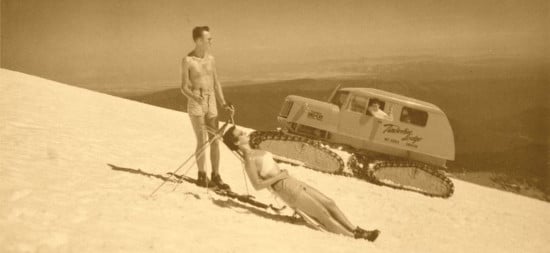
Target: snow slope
58, 193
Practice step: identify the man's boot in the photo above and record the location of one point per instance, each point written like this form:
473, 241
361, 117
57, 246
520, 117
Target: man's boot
203, 181
217, 181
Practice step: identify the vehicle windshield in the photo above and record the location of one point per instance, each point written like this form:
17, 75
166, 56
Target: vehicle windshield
340, 98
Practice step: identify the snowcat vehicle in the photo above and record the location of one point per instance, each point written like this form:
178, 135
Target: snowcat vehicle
388, 139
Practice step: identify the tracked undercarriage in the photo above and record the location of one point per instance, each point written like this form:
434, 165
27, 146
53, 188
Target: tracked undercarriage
376, 168
298, 150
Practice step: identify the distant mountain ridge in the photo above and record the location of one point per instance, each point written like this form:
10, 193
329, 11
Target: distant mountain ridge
389, 68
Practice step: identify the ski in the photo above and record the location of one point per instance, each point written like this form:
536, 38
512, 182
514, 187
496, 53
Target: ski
297, 218
174, 178
244, 198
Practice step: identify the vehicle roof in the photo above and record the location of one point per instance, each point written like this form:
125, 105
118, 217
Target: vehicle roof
396, 98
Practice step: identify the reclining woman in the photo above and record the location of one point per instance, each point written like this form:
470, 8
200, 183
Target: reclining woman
263, 172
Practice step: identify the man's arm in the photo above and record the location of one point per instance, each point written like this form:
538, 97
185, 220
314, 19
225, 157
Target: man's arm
186, 83
217, 85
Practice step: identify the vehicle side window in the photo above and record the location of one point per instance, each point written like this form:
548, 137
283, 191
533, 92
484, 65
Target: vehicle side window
373, 103
340, 98
414, 116
358, 104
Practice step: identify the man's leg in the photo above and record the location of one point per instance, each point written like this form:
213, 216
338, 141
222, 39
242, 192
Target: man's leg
200, 134
212, 123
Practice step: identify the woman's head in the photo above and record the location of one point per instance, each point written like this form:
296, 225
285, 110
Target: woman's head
374, 106
235, 137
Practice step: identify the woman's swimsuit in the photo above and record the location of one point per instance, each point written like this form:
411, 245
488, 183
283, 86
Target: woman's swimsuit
288, 189
306, 200
269, 168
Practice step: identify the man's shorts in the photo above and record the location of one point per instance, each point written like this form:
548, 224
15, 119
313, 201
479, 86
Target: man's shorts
206, 108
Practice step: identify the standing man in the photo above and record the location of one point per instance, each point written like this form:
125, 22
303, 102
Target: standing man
201, 86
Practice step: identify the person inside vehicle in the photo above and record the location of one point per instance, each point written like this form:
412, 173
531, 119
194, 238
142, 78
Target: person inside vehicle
374, 110
405, 116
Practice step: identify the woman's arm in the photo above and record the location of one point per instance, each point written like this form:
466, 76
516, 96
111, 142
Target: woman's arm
257, 182
287, 160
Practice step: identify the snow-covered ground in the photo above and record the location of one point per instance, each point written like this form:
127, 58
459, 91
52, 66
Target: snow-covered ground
59, 194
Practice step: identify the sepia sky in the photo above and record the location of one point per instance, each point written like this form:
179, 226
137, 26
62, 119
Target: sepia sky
131, 42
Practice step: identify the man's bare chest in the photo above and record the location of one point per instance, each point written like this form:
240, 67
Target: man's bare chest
200, 67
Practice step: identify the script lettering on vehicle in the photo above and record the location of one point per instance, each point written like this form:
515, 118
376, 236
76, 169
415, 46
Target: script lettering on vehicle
407, 135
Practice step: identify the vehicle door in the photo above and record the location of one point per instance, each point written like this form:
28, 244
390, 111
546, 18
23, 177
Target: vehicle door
354, 121
381, 112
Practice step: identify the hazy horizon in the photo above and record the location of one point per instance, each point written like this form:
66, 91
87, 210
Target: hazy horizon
129, 44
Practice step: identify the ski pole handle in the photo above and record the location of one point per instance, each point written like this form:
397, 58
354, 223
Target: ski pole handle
231, 109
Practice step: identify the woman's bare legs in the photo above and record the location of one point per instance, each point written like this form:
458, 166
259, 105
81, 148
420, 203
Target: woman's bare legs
331, 207
314, 208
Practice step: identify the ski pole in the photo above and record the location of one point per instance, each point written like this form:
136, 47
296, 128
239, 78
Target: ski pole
236, 155
199, 152
190, 167
214, 138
